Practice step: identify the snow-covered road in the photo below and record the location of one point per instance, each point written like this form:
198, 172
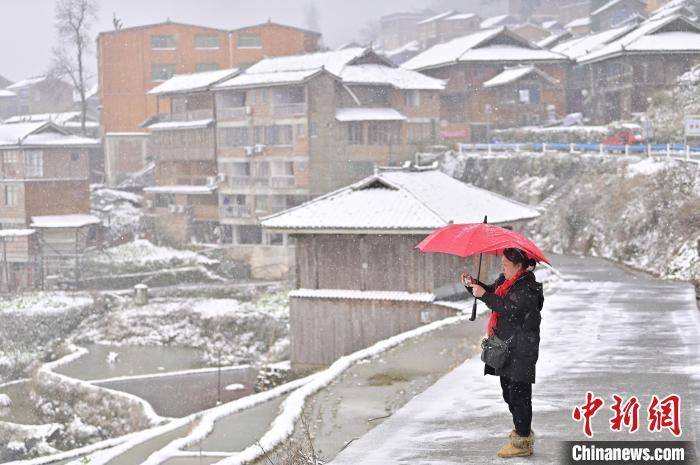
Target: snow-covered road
604, 329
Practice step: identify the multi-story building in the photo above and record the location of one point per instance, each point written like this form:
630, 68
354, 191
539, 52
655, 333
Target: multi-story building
469, 108
183, 204
45, 221
288, 129
132, 61
614, 12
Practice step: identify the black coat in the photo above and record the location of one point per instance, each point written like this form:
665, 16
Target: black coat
525, 297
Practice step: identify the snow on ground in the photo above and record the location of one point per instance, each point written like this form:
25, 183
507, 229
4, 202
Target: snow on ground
649, 166
255, 330
45, 302
144, 254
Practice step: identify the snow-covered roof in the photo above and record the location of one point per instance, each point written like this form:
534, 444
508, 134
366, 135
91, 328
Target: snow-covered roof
16, 232
61, 118
26, 82
246, 80
493, 21
611, 4
7, 93
577, 47
579, 22
181, 125
194, 82
553, 39
352, 294
479, 46
510, 75
652, 36
40, 133
64, 221
412, 46
550, 24
437, 17
416, 201
333, 61
398, 78
460, 16
368, 114
181, 189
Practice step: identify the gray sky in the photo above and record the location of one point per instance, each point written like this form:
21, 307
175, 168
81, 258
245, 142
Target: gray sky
27, 32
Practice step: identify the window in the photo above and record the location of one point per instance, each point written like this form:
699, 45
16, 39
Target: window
164, 200
411, 98
249, 41
11, 195
74, 156
276, 238
286, 95
33, 164
263, 95
239, 168
381, 133
249, 234
261, 203
201, 67
206, 41
162, 71
10, 157
313, 129
356, 133
282, 168
167, 42
301, 131
529, 95
419, 132
230, 99
279, 135
234, 137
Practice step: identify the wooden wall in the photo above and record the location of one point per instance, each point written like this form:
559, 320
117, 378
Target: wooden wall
387, 262
324, 329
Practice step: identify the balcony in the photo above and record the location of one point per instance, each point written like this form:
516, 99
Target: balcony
235, 211
233, 113
289, 109
282, 181
192, 115
247, 181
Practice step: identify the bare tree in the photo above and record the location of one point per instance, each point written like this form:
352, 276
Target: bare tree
74, 19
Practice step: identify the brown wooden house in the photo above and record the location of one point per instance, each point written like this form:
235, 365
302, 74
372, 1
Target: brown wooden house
359, 278
467, 63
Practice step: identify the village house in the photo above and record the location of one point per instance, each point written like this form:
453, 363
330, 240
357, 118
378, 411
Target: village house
469, 108
183, 204
291, 128
359, 277
530, 31
70, 121
45, 220
40, 94
623, 74
132, 61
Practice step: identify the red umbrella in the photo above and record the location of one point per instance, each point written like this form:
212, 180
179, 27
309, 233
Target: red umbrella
465, 240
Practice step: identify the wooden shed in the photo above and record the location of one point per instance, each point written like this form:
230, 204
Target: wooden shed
359, 278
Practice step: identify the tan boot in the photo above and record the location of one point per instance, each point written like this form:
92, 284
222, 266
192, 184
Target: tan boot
531, 436
517, 446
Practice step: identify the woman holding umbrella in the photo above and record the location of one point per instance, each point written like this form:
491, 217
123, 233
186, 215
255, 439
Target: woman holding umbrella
515, 300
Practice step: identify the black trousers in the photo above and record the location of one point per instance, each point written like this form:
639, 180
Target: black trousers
518, 396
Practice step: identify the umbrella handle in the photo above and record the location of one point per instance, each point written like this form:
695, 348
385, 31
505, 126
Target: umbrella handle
473, 317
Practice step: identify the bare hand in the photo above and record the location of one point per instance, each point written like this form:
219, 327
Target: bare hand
477, 290
466, 279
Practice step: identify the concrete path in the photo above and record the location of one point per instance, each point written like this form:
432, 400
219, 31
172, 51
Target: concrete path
604, 329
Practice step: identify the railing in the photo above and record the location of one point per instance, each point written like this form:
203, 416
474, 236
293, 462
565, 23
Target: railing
235, 211
289, 109
282, 181
678, 151
192, 115
233, 112
247, 181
